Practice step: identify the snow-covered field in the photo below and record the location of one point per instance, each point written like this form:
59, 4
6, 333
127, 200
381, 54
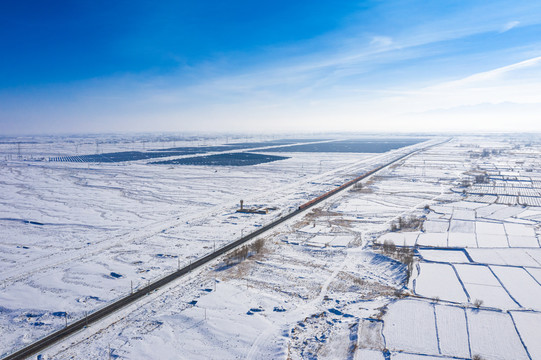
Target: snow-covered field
439, 281
485, 277
318, 288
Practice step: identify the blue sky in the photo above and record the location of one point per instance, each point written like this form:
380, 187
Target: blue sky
239, 66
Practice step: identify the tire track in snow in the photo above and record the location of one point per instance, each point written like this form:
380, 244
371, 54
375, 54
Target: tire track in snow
299, 313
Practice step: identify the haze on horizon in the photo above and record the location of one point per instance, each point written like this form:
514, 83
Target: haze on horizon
404, 66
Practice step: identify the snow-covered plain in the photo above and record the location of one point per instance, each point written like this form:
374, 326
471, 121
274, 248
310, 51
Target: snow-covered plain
76, 236
317, 289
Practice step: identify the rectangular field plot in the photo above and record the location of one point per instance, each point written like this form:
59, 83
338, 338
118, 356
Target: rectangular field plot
521, 285
492, 241
432, 239
514, 257
493, 336
529, 327
464, 214
409, 326
519, 229
462, 240
462, 226
436, 226
523, 241
452, 331
505, 213
439, 281
493, 228
486, 211
451, 256
481, 284
530, 214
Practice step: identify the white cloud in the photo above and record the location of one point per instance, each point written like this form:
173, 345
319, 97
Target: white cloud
381, 41
508, 26
324, 88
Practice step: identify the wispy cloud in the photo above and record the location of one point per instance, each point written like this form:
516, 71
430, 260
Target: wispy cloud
494, 74
348, 79
510, 25
381, 41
